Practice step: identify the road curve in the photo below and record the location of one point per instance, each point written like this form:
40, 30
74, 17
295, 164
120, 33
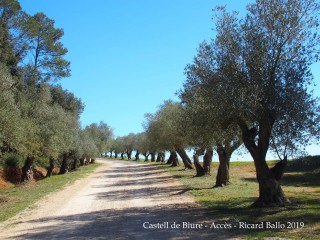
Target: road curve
120, 200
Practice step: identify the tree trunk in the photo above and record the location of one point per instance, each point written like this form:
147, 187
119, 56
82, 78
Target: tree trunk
51, 167
27, 171
199, 168
207, 160
270, 191
122, 155
137, 156
115, 154
163, 156
222, 178
153, 157
185, 158
64, 165
110, 154
75, 163
129, 153
175, 161
146, 157
81, 162
170, 159
158, 157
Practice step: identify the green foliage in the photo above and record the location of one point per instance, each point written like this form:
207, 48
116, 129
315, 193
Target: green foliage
11, 160
67, 100
255, 73
12, 42
88, 146
45, 50
38, 118
42, 162
166, 128
10, 121
96, 139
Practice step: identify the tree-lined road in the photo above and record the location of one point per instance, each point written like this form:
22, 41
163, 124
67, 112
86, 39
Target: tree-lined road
115, 202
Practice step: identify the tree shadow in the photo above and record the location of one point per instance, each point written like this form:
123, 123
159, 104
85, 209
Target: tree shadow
138, 180
307, 179
304, 179
133, 223
146, 192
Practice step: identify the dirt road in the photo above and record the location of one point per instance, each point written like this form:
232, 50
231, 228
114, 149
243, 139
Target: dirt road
120, 200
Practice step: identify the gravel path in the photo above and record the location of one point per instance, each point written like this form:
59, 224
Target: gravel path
120, 200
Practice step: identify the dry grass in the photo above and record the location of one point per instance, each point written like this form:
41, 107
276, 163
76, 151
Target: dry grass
3, 182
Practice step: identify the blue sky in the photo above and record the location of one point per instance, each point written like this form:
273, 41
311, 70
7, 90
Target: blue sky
127, 56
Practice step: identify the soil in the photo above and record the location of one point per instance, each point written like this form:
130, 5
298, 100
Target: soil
120, 200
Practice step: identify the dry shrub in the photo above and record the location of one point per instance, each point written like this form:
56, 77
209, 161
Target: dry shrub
3, 182
39, 173
55, 171
13, 174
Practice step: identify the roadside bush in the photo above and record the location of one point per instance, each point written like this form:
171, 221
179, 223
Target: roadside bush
12, 164
42, 162
12, 160
39, 173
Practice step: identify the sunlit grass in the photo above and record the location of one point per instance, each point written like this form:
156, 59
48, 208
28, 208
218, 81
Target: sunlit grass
233, 202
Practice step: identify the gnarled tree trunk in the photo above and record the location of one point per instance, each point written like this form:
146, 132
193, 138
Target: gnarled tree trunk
81, 161
111, 154
207, 161
153, 156
174, 156
75, 163
222, 178
199, 168
146, 156
185, 158
270, 191
137, 155
27, 171
158, 157
64, 165
163, 157
129, 153
115, 154
170, 159
51, 167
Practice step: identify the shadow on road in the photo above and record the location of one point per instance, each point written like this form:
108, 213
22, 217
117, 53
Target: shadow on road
128, 224
134, 182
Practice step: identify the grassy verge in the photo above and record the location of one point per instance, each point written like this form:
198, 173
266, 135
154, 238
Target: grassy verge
233, 202
16, 198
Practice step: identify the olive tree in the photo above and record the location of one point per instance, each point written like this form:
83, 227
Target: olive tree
11, 136
166, 129
101, 135
262, 68
207, 129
